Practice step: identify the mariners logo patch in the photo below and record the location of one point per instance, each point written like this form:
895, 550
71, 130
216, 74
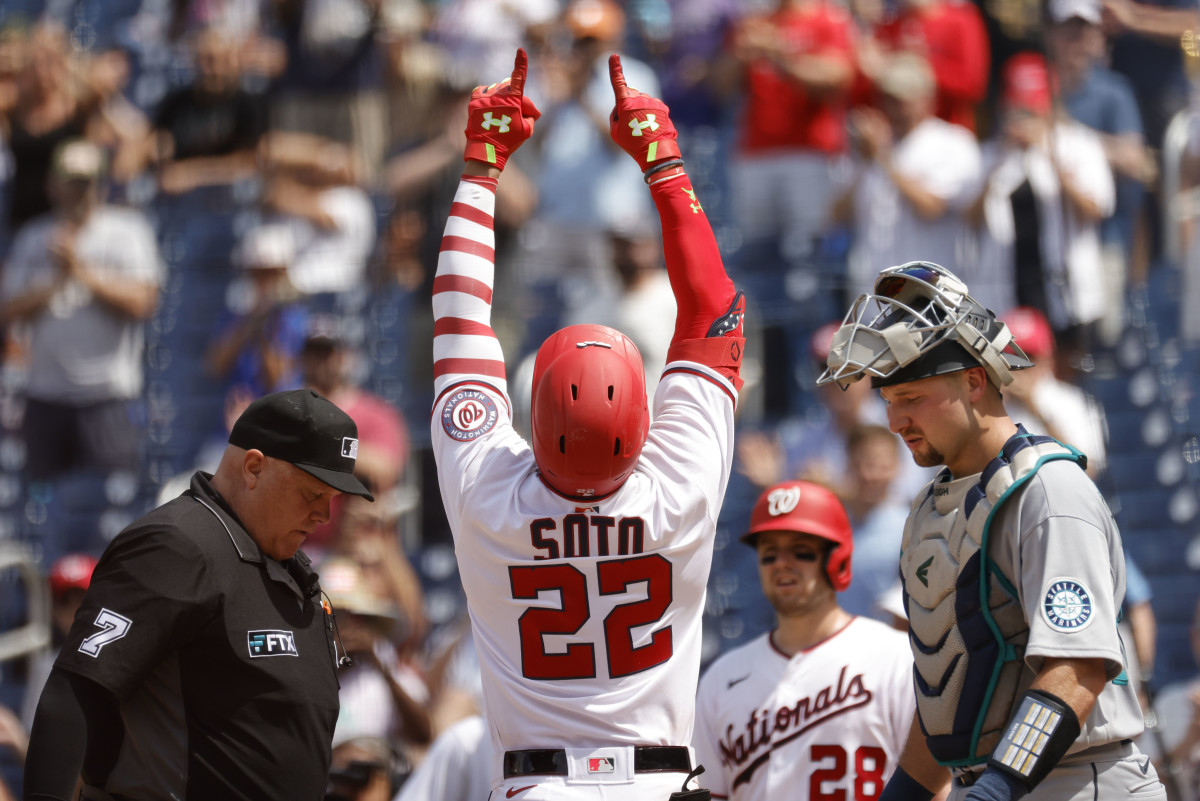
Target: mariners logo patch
1067, 605
271, 642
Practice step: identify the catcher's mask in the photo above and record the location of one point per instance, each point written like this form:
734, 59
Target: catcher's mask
920, 322
588, 409
807, 508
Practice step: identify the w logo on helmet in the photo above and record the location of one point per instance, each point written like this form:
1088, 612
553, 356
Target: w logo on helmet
783, 500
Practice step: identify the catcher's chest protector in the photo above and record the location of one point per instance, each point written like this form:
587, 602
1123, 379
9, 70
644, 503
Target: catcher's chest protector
966, 625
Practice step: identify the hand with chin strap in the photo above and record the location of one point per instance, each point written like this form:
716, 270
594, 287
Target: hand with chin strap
500, 118
641, 126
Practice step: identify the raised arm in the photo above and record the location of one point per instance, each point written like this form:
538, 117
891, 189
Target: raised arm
500, 119
708, 326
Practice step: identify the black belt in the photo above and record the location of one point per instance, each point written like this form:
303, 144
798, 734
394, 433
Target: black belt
553, 761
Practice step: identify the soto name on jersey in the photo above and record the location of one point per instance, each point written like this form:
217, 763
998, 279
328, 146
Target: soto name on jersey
587, 535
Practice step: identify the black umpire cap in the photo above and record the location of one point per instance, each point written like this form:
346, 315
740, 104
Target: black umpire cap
309, 431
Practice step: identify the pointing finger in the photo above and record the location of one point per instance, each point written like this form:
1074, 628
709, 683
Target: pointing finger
520, 70
617, 75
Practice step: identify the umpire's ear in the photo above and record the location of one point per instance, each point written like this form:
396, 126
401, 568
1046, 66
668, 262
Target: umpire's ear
254, 465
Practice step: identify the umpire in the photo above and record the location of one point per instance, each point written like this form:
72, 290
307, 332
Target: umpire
203, 664
1011, 563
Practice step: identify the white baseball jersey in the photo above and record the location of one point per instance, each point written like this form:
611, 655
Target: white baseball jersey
586, 620
827, 723
457, 767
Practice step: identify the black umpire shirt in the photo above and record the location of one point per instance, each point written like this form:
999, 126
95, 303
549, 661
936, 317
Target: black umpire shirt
223, 659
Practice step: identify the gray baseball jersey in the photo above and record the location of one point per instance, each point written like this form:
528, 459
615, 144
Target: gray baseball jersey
1057, 578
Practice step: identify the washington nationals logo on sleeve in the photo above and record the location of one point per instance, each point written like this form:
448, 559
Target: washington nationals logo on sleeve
468, 415
1067, 605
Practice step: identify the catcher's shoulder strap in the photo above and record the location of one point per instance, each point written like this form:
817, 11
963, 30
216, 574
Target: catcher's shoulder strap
1016, 463
1019, 460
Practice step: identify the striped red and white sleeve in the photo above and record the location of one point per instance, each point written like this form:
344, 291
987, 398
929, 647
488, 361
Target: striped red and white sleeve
465, 348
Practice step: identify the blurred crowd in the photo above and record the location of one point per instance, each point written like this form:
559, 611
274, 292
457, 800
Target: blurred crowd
1027, 145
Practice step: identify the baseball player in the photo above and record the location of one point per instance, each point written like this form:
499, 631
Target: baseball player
823, 702
1011, 564
585, 557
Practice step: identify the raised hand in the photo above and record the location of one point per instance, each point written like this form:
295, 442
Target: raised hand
500, 117
640, 124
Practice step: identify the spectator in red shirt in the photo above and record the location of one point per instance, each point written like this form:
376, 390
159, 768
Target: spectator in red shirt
794, 67
951, 36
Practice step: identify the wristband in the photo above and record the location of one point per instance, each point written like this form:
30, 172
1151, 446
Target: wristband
1037, 737
657, 168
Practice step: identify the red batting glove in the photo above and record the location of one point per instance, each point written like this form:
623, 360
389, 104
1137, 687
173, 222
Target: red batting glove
640, 124
500, 117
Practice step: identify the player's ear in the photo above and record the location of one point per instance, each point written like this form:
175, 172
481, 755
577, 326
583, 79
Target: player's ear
977, 383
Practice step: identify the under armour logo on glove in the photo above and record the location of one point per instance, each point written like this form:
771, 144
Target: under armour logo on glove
500, 117
637, 127
488, 122
640, 123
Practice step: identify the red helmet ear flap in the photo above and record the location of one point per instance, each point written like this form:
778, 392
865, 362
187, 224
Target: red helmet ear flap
589, 412
807, 508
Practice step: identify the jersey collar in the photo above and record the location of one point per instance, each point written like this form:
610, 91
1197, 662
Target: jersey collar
296, 573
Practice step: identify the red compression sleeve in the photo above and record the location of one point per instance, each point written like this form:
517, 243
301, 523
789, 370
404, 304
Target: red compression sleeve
708, 325
703, 292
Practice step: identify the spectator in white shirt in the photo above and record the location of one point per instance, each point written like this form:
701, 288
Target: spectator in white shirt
312, 184
1046, 405
1047, 187
912, 174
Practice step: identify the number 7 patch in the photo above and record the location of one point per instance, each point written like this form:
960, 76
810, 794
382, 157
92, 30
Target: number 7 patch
113, 626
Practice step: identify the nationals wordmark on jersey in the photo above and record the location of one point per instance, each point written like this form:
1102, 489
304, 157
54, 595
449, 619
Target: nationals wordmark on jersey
775, 726
832, 718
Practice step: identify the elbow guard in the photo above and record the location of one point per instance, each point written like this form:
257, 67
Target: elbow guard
721, 348
1038, 736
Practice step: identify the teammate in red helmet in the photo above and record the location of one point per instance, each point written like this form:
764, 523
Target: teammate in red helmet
823, 702
585, 556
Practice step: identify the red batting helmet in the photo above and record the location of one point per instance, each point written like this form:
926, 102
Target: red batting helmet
589, 412
808, 509
71, 572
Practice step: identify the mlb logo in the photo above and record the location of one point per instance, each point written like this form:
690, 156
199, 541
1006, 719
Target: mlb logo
600, 765
350, 447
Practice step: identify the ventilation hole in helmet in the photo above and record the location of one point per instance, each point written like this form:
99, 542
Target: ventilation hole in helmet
562, 445
610, 391
574, 392
617, 447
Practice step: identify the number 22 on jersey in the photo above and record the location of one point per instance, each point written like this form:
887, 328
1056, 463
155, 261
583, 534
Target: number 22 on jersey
613, 577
